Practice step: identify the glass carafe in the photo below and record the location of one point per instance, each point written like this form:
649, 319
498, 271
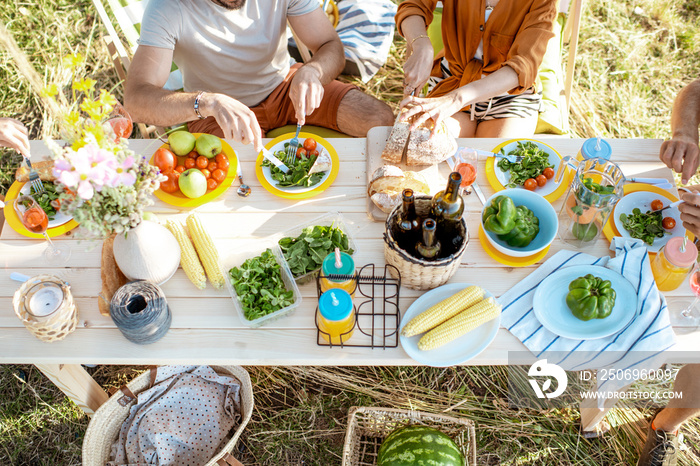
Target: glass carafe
592, 195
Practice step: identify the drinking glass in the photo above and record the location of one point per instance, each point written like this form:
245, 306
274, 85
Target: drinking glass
35, 220
689, 318
466, 165
121, 122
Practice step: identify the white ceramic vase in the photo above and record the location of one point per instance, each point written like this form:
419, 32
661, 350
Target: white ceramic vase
148, 252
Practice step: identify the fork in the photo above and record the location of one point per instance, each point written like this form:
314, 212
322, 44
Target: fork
510, 158
290, 152
34, 179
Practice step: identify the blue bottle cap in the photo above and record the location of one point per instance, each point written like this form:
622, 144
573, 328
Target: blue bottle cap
335, 304
591, 149
347, 264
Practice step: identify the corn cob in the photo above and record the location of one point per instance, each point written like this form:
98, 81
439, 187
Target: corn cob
188, 256
443, 310
206, 250
459, 325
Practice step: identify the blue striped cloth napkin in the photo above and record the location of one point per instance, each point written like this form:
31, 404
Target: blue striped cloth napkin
639, 346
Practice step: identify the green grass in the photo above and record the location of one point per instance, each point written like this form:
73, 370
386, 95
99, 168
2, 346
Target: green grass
630, 65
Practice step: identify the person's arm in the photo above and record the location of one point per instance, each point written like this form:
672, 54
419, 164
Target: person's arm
680, 153
14, 134
147, 101
316, 32
419, 50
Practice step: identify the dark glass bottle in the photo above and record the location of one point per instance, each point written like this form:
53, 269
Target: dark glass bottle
407, 220
429, 248
447, 206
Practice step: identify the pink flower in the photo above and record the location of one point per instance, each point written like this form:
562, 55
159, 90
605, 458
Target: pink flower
122, 174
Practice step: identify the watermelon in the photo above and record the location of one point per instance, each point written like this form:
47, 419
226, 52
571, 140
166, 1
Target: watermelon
417, 445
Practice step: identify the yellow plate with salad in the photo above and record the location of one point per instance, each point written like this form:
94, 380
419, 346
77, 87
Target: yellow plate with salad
499, 178
61, 224
298, 183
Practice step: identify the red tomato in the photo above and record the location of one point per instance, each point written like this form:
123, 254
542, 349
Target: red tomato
189, 163
313, 153
212, 166
548, 173
669, 223
657, 204
541, 180
201, 162
222, 163
170, 185
192, 155
530, 184
220, 156
309, 144
300, 151
212, 184
164, 159
219, 175
180, 168
206, 173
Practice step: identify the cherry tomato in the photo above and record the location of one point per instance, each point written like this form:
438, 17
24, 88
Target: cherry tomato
201, 162
180, 168
170, 185
300, 151
657, 204
669, 223
189, 163
212, 166
165, 160
206, 173
548, 173
541, 180
313, 153
219, 175
193, 154
220, 157
309, 144
212, 183
223, 163
530, 184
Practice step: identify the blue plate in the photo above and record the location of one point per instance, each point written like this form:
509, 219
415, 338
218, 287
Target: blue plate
551, 310
457, 351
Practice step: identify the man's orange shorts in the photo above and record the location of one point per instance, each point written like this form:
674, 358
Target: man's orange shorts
277, 110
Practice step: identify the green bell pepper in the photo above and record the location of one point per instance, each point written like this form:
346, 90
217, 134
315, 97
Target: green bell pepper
499, 216
590, 297
526, 228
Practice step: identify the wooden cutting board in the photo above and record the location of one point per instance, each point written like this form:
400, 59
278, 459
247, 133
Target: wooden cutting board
436, 174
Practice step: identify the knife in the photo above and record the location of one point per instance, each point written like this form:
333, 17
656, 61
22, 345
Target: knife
479, 193
271, 157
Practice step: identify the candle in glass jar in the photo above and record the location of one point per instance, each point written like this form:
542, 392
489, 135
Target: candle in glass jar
45, 301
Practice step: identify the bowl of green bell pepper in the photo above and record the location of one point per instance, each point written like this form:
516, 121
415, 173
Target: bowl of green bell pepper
519, 223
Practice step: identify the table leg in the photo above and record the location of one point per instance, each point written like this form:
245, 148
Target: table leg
591, 414
77, 384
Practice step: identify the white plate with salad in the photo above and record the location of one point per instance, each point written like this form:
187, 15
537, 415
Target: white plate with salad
311, 167
45, 200
540, 160
654, 230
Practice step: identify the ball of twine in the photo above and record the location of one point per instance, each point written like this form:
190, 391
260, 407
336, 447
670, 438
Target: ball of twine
140, 311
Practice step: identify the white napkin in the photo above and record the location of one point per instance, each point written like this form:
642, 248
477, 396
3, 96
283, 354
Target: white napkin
638, 346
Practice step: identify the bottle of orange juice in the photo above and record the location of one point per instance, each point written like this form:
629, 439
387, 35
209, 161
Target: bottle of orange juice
338, 263
336, 316
673, 262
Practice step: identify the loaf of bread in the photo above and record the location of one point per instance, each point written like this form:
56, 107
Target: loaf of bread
425, 150
398, 139
43, 168
112, 276
388, 182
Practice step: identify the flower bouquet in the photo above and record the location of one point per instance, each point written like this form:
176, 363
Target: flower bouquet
103, 184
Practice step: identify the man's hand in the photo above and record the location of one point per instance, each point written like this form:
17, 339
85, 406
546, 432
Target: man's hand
14, 134
306, 92
690, 212
681, 155
237, 121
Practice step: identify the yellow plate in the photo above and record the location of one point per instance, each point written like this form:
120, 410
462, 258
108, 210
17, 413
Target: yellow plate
490, 171
293, 193
180, 200
16, 224
610, 231
498, 256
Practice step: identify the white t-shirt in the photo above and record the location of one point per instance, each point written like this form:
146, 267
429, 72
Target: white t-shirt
240, 53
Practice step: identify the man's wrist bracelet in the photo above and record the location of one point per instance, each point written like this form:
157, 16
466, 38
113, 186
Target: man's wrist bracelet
196, 105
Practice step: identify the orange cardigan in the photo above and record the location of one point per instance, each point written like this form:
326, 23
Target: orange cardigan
516, 35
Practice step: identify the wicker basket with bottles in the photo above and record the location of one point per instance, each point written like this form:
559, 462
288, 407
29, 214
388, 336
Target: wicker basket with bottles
418, 273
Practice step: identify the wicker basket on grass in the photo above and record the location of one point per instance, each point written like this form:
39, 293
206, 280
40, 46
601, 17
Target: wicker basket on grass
368, 427
104, 426
421, 274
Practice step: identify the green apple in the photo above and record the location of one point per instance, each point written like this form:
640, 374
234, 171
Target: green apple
208, 145
192, 183
181, 142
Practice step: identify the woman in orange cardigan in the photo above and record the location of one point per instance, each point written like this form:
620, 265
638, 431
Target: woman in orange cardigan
482, 83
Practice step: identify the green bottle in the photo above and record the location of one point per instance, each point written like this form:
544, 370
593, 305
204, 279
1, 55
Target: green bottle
447, 206
429, 248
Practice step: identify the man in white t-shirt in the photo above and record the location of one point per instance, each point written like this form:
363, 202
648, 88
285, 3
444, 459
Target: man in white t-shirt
238, 82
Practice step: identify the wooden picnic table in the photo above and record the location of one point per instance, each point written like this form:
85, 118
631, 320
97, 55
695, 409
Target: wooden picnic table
205, 328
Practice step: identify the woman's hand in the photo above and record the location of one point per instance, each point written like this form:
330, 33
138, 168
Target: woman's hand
437, 108
14, 134
418, 65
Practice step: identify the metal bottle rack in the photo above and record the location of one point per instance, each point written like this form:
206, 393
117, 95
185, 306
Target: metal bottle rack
377, 314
